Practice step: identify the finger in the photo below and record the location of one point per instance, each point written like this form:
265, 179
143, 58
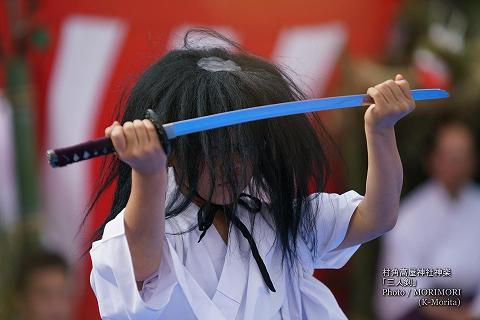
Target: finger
404, 86
386, 91
141, 132
130, 134
118, 138
396, 91
151, 131
377, 97
108, 130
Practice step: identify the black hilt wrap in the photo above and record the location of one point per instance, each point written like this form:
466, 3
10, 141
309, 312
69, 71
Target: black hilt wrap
100, 147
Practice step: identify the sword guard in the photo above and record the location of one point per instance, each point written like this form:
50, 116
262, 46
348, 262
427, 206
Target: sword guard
162, 135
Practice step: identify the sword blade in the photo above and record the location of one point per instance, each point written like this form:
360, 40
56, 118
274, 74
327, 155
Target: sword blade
184, 127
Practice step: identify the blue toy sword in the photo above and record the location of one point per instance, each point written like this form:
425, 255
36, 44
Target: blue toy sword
94, 148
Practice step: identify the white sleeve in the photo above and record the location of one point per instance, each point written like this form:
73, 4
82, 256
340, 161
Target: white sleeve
113, 281
334, 212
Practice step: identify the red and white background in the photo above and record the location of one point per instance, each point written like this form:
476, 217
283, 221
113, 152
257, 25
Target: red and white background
97, 48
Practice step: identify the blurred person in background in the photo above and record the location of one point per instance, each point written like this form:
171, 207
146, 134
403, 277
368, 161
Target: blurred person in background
438, 228
43, 288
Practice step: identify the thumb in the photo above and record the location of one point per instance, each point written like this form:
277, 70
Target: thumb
108, 130
399, 77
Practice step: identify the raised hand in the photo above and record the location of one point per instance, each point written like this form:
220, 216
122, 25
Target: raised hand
392, 101
137, 144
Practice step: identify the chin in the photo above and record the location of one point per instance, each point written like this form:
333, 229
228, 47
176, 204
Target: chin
221, 197
221, 200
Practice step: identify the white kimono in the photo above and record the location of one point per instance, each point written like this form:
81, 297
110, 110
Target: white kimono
210, 280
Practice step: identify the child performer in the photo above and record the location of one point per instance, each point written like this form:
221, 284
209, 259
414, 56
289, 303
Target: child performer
157, 256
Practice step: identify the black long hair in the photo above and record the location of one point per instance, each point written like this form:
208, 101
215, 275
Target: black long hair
285, 153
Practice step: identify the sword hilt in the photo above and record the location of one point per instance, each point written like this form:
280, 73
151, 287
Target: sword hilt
95, 148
